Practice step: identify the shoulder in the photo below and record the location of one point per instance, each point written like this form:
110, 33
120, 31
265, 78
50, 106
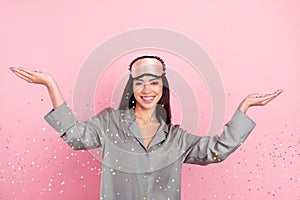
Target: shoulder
109, 112
176, 130
116, 114
174, 127
180, 133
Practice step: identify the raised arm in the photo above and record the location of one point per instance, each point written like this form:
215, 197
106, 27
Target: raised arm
209, 149
78, 134
41, 78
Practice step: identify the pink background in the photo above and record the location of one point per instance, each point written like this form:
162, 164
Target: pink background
255, 47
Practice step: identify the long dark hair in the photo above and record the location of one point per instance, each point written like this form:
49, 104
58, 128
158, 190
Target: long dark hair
163, 108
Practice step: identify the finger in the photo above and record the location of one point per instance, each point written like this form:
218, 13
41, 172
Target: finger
31, 73
24, 73
271, 97
261, 98
276, 93
264, 97
260, 95
22, 76
27, 71
266, 101
12, 68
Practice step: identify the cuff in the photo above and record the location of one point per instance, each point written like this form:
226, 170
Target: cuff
61, 118
241, 122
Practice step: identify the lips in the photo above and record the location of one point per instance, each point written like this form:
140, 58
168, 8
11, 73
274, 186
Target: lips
148, 98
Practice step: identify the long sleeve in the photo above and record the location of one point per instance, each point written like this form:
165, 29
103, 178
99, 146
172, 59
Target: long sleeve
78, 134
209, 149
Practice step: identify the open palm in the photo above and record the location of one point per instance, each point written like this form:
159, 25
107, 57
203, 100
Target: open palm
32, 76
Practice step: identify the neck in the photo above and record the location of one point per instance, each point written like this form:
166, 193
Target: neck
145, 116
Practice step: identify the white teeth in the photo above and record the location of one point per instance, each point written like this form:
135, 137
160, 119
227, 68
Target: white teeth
147, 98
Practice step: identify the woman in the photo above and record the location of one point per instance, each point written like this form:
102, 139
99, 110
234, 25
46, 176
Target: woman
142, 151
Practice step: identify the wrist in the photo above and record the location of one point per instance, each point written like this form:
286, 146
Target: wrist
244, 106
50, 84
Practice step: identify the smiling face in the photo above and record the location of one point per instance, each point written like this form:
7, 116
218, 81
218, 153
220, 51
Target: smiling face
147, 91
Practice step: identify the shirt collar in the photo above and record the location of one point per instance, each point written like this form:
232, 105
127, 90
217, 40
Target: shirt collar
161, 134
129, 117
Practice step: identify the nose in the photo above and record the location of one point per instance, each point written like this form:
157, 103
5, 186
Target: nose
146, 88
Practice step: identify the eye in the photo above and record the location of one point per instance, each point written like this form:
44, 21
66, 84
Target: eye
138, 83
154, 83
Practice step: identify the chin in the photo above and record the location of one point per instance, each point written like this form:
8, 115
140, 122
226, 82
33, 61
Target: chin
145, 105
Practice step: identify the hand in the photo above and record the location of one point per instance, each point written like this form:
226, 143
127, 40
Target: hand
43, 79
258, 100
36, 77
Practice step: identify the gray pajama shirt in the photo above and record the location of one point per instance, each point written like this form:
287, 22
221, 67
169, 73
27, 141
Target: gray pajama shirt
130, 170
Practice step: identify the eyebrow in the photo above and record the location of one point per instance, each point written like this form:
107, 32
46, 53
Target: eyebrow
149, 80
